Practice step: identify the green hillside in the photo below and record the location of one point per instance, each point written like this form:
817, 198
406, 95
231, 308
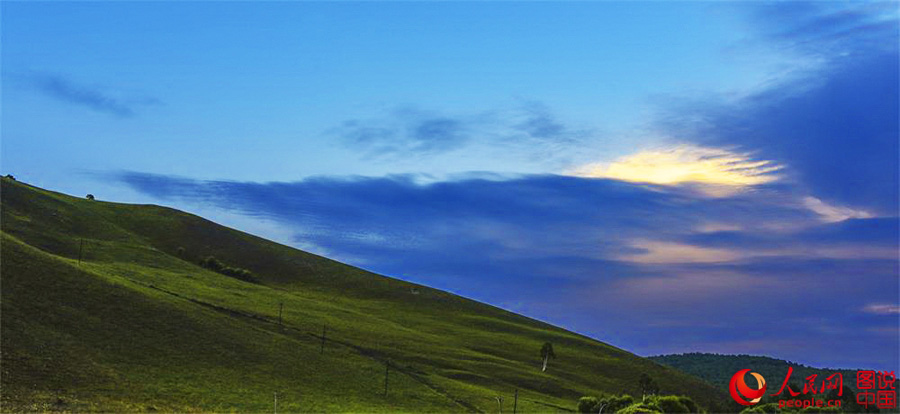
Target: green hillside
718, 369
105, 307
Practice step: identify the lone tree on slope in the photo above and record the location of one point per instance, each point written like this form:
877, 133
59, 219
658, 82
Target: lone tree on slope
648, 385
546, 354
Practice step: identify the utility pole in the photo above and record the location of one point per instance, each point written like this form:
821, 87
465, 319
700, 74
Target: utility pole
387, 368
80, 249
516, 401
280, 309
322, 349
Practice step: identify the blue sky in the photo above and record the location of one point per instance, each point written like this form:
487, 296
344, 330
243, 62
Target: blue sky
603, 166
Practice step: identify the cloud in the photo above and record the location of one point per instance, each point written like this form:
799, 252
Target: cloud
541, 216
405, 131
438, 134
882, 309
596, 255
96, 99
834, 128
690, 287
419, 132
538, 122
649, 251
828, 31
832, 213
719, 172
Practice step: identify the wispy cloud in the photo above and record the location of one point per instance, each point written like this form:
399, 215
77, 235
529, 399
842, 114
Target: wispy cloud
661, 252
405, 131
882, 309
94, 98
829, 31
420, 132
537, 122
832, 213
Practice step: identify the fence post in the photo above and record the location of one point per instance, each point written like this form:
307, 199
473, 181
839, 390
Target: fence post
516, 401
387, 368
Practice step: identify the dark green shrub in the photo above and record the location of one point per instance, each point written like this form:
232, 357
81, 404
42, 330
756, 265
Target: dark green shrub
650, 404
609, 403
215, 265
212, 263
617, 402
588, 404
639, 408
671, 404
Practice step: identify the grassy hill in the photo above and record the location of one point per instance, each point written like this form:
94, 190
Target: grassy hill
105, 307
718, 369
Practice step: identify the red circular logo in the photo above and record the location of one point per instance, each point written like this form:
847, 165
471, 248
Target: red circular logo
740, 390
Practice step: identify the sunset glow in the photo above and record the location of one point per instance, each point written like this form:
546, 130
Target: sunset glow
687, 164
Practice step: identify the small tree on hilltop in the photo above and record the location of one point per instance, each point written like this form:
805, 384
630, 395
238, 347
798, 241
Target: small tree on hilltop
89, 196
546, 354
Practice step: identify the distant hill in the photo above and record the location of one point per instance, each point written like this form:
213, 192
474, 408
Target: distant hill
718, 369
120, 308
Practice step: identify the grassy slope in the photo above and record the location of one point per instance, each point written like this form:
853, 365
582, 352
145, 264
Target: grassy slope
138, 326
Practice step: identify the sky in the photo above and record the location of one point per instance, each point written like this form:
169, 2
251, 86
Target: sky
665, 177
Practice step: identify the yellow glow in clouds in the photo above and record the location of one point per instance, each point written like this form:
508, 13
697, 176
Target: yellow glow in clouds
687, 164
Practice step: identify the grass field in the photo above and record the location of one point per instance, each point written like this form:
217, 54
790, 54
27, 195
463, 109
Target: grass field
105, 308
